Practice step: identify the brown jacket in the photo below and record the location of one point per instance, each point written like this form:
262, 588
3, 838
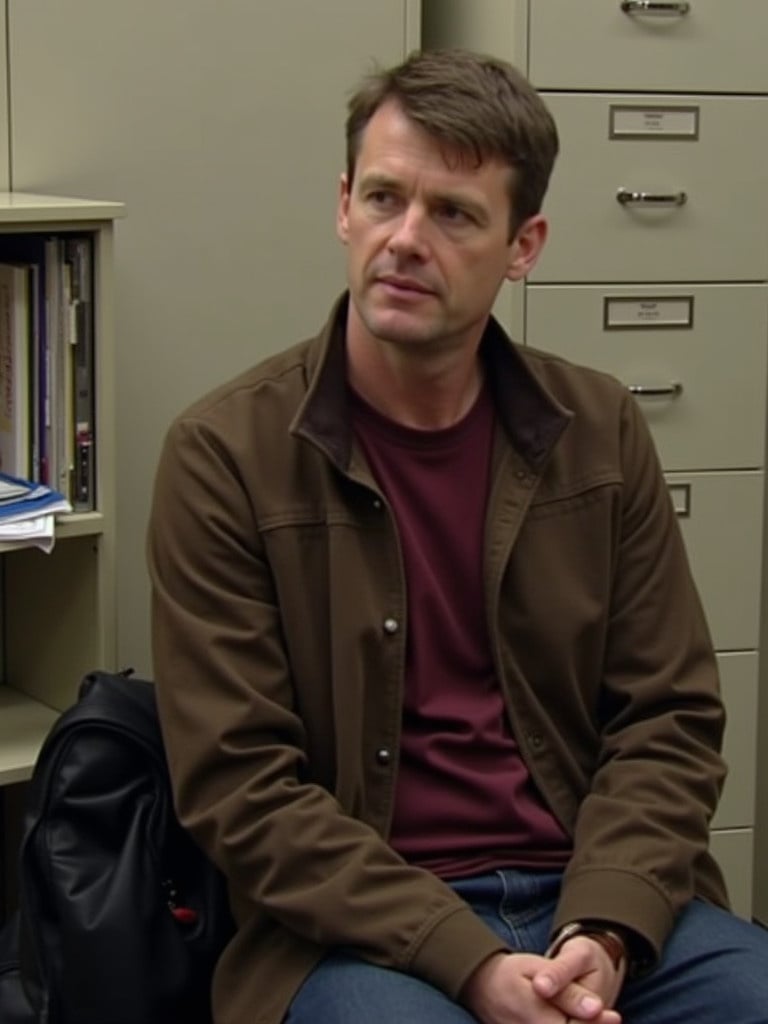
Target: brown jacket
279, 623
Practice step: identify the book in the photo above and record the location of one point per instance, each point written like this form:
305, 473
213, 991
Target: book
15, 351
39, 532
12, 490
27, 513
30, 249
78, 257
24, 499
61, 405
56, 353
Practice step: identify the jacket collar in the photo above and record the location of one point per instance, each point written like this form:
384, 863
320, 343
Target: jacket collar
531, 416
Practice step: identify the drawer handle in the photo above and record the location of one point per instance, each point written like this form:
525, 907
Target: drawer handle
671, 390
655, 8
627, 197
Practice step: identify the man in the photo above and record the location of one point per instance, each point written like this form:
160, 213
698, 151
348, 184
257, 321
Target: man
435, 682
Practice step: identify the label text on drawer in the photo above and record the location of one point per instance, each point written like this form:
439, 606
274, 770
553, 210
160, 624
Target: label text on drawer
633, 122
621, 313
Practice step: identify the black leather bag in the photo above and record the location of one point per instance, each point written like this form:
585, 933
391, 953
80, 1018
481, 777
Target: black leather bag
14, 1005
122, 917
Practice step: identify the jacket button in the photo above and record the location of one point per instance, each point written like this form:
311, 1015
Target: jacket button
383, 756
391, 625
537, 740
376, 503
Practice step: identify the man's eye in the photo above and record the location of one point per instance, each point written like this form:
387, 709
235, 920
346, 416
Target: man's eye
454, 214
382, 198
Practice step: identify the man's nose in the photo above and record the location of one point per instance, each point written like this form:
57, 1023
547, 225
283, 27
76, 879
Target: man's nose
409, 235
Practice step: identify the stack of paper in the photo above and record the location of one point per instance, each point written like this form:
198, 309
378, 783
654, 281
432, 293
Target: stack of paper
27, 513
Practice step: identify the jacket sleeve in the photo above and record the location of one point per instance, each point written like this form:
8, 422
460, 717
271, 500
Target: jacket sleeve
236, 745
642, 831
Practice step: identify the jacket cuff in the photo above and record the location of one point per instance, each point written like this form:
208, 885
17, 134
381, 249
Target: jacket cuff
615, 897
453, 950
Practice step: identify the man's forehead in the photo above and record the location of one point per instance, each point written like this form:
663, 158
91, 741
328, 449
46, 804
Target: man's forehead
443, 177
393, 136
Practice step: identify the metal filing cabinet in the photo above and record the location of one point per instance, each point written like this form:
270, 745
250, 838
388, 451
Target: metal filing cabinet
656, 271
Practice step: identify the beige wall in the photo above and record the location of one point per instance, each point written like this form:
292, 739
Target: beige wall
5, 170
219, 124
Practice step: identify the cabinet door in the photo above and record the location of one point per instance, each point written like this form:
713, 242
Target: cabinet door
738, 678
732, 850
714, 46
657, 188
698, 354
720, 515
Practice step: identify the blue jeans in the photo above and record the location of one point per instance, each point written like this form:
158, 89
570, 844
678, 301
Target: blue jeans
714, 968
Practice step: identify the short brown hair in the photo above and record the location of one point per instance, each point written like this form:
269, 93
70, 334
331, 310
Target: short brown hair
476, 106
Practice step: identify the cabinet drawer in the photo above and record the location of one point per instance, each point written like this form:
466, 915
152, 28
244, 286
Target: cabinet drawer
738, 678
720, 515
699, 220
732, 849
714, 47
711, 340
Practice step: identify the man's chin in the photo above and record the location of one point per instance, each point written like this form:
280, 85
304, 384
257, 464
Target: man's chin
401, 326
401, 333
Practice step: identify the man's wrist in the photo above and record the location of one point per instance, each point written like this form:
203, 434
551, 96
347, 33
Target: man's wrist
611, 939
613, 944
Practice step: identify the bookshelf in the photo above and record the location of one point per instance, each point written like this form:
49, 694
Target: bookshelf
57, 610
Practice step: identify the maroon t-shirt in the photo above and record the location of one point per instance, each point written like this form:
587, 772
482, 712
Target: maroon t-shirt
465, 802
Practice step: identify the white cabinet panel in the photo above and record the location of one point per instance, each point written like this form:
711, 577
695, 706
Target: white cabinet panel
710, 340
732, 850
738, 677
720, 515
717, 46
706, 150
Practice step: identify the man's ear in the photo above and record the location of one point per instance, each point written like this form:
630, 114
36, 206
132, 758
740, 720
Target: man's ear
525, 248
342, 210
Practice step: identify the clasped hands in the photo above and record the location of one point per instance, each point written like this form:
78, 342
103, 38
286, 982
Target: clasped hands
579, 984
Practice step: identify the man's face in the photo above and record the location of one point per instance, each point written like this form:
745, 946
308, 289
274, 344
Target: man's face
428, 241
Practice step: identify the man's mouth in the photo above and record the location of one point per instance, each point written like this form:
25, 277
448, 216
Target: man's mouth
404, 285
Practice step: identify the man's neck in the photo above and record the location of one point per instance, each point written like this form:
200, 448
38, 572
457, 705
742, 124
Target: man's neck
430, 400
419, 388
